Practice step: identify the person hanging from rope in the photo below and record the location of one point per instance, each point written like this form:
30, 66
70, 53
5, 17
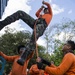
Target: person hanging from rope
41, 23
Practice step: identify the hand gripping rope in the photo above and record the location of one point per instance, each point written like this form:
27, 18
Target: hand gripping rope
35, 37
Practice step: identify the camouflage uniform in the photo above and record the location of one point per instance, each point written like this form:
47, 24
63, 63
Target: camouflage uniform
40, 28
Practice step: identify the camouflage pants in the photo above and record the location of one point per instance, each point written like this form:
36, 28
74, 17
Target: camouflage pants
16, 16
40, 24
40, 28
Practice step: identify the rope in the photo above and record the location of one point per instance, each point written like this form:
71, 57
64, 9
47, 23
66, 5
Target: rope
36, 38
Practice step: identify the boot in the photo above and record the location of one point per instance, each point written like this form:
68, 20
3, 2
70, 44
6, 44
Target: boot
1, 26
26, 54
29, 49
24, 57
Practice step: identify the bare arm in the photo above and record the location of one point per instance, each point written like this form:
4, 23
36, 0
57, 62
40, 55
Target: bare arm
39, 11
8, 58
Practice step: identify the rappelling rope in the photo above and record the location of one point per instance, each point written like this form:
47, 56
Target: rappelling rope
36, 37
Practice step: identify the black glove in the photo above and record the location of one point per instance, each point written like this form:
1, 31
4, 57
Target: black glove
45, 62
41, 65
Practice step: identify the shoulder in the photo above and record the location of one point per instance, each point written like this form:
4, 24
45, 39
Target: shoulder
69, 55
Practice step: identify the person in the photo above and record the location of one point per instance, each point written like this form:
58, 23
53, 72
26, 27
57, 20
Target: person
16, 68
41, 23
67, 66
35, 71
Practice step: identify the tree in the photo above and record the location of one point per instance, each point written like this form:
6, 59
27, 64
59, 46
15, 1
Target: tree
57, 55
11, 40
56, 35
59, 33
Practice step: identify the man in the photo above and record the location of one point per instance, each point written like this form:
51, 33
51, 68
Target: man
35, 71
67, 66
16, 68
41, 23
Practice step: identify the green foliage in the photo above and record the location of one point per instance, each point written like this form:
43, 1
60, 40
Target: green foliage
57, 56
10, 41
56, 35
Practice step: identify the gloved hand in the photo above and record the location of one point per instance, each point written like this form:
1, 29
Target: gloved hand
39, 59
41, 65
45, 62
43, 2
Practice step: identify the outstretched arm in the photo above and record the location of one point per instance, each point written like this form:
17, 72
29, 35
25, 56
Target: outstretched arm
48, 6
8, 58
39, 11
